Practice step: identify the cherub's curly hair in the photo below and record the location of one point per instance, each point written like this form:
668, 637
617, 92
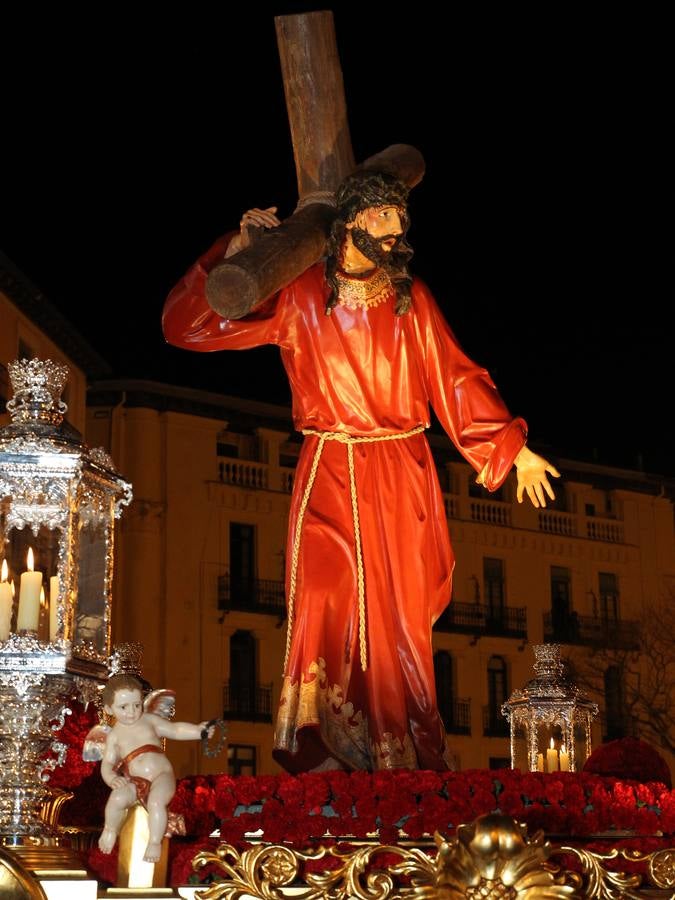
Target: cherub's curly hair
121, 682
364, 190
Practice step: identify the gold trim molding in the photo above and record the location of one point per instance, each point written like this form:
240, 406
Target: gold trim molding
492, 858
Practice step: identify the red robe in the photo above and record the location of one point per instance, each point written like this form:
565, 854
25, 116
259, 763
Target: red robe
363, 372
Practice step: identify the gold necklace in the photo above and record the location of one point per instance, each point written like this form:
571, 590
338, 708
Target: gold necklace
354, 292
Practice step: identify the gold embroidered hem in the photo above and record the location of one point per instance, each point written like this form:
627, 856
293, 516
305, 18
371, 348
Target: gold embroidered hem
342, 729
354, 292
393, 753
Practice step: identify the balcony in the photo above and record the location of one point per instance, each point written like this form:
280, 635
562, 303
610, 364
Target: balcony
589, 631
494, 723
247, 702
255, 475
604, 530
251, 595
456, 716
555, 522
490, 512
479, 619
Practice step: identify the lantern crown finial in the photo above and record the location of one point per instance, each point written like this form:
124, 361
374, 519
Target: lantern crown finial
37, 384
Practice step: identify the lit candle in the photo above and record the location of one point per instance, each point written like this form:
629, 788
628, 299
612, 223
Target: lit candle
540, 762
29, 597
5, 603
551, 759
53, 606
44, 613
564, 760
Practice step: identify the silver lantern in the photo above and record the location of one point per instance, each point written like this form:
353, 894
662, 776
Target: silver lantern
58, 500
550, 718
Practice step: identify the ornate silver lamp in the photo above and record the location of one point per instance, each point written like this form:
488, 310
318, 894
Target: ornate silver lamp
550, 718
58, 500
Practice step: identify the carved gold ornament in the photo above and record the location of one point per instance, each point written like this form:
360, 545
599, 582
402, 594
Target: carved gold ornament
491, 858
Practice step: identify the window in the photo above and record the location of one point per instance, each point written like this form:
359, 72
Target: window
493, 580
445, 694
590, 509
499, 762
614, 703
479, 492
241, 759
242, 686
231, 450
561, 502
560, 601
497, 694
242, 563
609, 597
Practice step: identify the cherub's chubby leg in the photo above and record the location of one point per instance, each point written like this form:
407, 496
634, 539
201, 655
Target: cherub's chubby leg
119, 801
162, 790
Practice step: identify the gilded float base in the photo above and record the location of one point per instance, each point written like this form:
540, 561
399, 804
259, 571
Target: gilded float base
493, 858
45, 854
139, 892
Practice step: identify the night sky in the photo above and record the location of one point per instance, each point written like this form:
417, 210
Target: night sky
538, 226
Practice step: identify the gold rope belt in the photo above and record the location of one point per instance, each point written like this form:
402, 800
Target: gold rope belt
349, 440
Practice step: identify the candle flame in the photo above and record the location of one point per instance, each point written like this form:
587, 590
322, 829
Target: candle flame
13, 589
43, 600
552, 745
562, 748
30, 559
5, 571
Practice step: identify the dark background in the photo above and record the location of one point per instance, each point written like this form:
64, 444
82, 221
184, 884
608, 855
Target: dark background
131, 144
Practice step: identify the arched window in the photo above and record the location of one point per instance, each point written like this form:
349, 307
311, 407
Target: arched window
445, 694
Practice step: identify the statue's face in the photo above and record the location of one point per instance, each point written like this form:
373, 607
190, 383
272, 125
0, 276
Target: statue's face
380, 222
127, 707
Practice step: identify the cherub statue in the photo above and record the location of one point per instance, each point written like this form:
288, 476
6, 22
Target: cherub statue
133, 761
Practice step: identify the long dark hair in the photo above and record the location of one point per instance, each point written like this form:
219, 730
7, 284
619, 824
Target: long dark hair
364, 190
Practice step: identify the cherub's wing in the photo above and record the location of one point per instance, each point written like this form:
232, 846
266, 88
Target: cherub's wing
94, 743
161, 703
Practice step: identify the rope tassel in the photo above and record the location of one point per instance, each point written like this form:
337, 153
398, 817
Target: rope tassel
349, 440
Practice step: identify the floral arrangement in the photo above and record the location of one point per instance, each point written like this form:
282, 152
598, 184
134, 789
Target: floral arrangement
390, 805
76, 726
628, 758
401, 802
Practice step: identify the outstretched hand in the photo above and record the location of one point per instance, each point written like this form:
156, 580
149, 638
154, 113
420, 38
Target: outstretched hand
531, 473
257, 218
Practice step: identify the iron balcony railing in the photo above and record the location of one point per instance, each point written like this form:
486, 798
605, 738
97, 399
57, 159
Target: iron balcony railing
481, 619
247, 702
591, 631
252, 595
494, 723
456, 715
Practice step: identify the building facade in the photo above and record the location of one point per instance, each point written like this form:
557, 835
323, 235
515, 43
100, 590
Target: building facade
200, 570
32, 327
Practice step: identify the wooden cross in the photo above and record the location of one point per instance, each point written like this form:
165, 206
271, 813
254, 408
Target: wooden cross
322, 148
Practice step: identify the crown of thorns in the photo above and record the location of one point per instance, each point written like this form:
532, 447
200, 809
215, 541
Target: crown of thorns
367, 189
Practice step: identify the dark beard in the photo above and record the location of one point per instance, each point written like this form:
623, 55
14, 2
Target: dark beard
371, 247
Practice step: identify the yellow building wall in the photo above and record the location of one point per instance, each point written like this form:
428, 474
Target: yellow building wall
17, 328
175, 544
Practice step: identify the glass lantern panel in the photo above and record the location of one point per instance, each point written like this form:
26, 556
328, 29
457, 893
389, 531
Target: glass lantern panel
91, 587
45, 547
